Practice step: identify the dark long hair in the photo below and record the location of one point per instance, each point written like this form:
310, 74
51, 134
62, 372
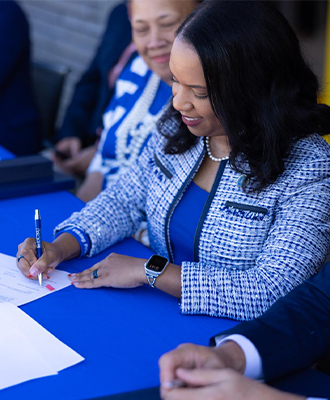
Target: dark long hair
259, 85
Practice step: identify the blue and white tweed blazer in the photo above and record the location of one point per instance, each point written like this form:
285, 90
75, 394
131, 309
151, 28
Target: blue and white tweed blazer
251, 249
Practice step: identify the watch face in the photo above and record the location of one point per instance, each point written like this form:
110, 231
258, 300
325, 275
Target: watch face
157, 263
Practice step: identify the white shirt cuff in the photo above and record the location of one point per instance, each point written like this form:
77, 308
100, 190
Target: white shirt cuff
315, 398
253, 367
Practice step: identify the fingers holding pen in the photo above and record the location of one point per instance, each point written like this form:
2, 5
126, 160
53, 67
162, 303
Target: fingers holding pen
28, 263
26, 256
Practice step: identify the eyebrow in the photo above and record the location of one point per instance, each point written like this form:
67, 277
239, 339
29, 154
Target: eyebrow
197, 87
157, 19
192, 86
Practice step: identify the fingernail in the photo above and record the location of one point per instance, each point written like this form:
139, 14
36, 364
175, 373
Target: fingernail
175, 383
34, 271
72, 283
30, 276
69, 275
48, 277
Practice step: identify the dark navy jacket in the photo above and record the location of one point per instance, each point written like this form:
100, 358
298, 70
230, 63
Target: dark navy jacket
19, 131
92, 93
295, 332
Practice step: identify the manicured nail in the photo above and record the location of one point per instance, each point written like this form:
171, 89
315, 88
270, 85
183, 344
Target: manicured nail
30, 276
69, 275
34, 271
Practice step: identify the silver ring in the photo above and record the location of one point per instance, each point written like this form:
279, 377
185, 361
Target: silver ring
95, 276
20, 257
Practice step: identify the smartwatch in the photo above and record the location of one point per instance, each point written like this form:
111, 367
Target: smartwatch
154, 267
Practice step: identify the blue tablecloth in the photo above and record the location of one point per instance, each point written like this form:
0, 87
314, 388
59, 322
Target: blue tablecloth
120, 333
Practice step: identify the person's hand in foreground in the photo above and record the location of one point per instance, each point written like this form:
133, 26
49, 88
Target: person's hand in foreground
63, 248
211, 373
191, 356
222, 384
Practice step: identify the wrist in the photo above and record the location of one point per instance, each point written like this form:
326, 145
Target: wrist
65, 246
232, 355
141, 274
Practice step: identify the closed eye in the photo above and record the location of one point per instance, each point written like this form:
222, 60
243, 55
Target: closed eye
201, 97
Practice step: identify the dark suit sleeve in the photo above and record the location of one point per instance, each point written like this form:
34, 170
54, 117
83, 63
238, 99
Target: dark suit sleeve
14, 40
91, 93
295, 332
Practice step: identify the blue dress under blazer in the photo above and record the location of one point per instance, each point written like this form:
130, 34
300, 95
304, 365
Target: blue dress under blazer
294, 333
19, 123
249, 249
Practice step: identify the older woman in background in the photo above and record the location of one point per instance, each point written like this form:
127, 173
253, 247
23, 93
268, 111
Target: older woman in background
141, 91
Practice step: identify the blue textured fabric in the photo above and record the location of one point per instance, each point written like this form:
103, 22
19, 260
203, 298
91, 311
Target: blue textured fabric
130, 86
81, 238
246, 259
184, 223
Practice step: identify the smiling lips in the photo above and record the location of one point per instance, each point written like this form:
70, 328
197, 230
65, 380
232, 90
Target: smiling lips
165, 58
191, 121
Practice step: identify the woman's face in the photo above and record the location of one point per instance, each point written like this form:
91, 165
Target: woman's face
190, 95
154, 23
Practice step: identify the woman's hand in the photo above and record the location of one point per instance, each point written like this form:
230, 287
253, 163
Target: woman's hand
222, 384
64, 247
115, 271
29, 265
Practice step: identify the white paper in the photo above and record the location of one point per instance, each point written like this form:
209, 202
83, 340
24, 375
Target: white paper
27, 350
15, 288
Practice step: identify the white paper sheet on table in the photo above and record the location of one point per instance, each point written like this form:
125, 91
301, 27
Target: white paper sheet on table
27, 350
15, 288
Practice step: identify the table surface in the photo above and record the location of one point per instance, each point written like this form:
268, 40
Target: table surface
120, 333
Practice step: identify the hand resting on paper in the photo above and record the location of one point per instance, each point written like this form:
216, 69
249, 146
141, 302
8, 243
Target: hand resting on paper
116, 270
62, 248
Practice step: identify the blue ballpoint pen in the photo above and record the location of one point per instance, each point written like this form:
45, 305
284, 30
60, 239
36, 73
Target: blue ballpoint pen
37, 219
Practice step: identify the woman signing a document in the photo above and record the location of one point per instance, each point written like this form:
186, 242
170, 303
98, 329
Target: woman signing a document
234, 183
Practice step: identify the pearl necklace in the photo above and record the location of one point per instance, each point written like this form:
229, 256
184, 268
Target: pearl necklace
207, 143
131, 122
